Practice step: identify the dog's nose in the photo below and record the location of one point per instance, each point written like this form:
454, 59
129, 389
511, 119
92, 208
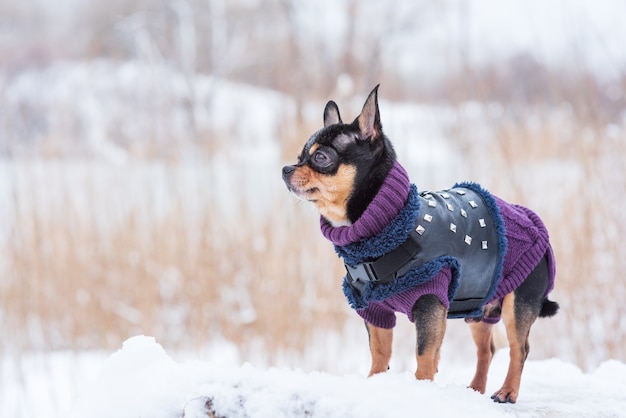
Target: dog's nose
288, 171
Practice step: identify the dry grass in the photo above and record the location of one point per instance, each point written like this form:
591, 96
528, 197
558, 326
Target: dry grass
93, 258
76, 280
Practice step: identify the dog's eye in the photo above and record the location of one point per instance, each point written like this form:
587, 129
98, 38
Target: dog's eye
321, 159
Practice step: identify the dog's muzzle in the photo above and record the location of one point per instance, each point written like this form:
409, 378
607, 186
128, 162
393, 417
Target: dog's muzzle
288, 171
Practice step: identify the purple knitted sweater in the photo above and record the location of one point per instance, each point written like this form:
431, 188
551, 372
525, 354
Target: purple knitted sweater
528, 243
386, 205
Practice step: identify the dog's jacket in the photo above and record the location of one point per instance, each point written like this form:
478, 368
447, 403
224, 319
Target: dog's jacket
394, 213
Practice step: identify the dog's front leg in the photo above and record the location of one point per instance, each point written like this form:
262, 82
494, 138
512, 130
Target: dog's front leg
429, 315
380, 346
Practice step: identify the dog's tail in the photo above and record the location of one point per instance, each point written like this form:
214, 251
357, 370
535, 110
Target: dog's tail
548, 308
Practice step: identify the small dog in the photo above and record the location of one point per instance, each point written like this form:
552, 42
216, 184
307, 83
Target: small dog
457, 253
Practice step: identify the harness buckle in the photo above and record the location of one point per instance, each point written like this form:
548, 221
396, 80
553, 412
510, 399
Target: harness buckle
359, 275
361, 272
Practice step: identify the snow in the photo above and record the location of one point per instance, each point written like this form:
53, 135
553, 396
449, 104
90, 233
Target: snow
142, 380
45, 384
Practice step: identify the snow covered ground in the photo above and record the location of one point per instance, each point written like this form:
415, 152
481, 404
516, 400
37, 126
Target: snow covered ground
142, 380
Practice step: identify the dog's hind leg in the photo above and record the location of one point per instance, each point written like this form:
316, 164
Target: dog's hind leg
429, 315
380, 340
520, 309
482, 333
517, 335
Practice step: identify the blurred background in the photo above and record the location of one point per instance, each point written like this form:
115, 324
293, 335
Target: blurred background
141, 144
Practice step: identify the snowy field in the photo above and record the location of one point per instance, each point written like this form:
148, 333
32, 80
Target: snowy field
152, 157
142, 380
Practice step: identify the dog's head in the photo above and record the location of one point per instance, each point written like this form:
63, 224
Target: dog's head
343, 165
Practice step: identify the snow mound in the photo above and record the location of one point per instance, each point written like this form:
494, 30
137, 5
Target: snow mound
141, 380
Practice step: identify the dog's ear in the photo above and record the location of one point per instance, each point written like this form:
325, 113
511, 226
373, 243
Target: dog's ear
331, 114
369, 119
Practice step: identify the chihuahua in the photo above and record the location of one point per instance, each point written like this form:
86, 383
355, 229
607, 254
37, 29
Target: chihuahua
432, 255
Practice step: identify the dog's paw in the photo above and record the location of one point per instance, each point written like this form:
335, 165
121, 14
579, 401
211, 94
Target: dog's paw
477, 387
505, 395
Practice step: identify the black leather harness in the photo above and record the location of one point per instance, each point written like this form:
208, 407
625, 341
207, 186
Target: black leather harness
454, 223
